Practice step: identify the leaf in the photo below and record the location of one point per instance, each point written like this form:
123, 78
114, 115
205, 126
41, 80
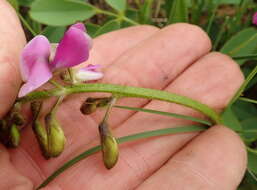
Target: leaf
178, 12
186, 117
243, 43
146, 12
143, 135
92, 28
235, 2
25, 3
252, 161
108, 27
244, 110
54, 34
60, 12
249, 128
119, 5
14, 3
230, 119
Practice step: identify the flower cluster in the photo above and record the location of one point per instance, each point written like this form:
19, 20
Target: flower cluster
37, 67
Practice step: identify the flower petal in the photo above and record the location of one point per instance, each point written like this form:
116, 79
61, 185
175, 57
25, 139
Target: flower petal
85, 75
73, 48
255, 18
37, 48
91, 67
40, 73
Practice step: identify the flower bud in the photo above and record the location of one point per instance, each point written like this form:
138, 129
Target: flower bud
55, 134
41, 136
91, 104
14, 136
109, 146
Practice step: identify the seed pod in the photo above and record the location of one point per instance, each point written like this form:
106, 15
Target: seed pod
55, 134
109, 145
41, 136
35, 108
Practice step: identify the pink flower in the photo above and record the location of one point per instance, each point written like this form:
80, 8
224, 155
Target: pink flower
255, 18
36, 68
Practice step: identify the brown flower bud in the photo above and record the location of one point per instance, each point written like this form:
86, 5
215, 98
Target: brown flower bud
91, 104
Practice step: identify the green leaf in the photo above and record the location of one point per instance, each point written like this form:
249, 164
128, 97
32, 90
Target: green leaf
249, 128
119, 5
252, 161
145, 12
108, 27
92, 28
243, 43
229, 119
166, 114
93, 150
235, 2
178, 12
60, 12
25, 3
244, 110
54, 34
14, 3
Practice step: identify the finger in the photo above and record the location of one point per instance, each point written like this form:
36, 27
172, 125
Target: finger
216, 159
9, 176
12, 40
139, 160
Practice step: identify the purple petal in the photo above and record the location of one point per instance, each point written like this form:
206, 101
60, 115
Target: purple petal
72, 50
255, 18
37, 48
91, 67
40, 73
80, 26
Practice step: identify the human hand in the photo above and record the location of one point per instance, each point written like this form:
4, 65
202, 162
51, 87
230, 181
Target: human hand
175, 59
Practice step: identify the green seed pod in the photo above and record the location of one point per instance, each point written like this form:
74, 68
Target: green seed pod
109, 145
14, 136
41, 136
35, 108
55, 134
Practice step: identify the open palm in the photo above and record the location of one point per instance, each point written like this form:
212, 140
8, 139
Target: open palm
175, 59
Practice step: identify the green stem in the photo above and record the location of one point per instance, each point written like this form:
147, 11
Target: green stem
26, 24
143, 135
56, 84
243, 86
126, 91
252, 56
220, 33
248, 100
119, 16
212, 18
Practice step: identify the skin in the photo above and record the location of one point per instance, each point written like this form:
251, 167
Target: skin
176, 59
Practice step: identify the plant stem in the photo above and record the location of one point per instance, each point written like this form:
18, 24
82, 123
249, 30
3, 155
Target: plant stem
119, 16
26, 24
243, 86
126, 91
248, 100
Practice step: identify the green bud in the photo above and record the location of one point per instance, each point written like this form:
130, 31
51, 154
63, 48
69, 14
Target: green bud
55, 134
109, 145
14, 136
41, 136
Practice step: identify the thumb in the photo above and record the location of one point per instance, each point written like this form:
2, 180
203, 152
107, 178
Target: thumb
9, 176
12, 40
